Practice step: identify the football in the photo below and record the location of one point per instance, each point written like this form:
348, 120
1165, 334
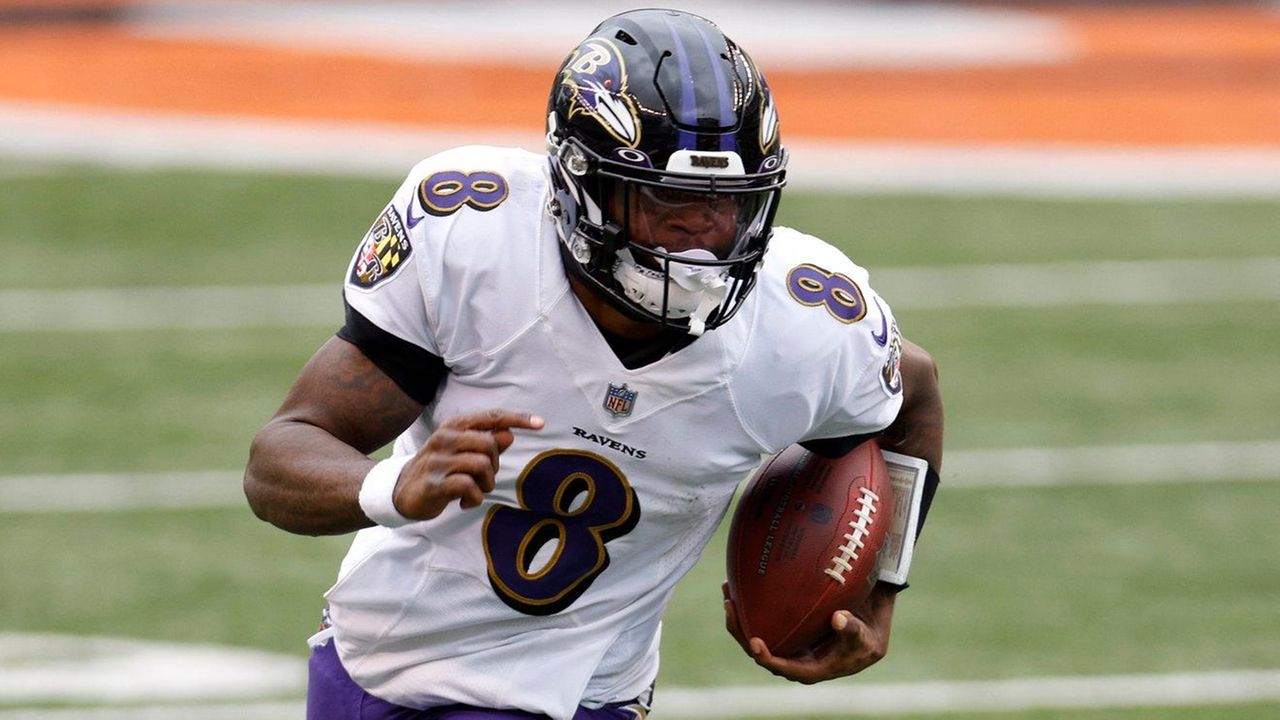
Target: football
804, 541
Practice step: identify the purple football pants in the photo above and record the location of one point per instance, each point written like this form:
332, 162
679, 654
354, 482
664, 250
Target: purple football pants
333, 695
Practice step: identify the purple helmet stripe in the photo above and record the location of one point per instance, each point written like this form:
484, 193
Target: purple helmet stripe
728, 141
688, 101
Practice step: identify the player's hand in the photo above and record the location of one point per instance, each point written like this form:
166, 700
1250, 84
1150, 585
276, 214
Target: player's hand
859, 640
458, 462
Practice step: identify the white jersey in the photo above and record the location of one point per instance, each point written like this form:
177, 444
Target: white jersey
550, 594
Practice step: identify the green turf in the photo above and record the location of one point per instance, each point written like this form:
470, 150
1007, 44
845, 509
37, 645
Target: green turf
1064, 581
217, 576
1139, 374
190, 399
1008, 583
158, 400
929, 230
92, 227
97, 228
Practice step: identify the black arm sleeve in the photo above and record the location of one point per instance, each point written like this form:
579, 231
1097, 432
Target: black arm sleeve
931, 482
417, 372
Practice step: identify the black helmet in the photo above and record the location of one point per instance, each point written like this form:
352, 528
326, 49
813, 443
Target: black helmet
659, 107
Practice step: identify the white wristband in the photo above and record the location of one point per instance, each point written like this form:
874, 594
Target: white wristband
378, 490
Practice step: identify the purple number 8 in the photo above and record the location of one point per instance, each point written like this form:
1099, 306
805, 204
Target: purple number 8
812, 286
443, 193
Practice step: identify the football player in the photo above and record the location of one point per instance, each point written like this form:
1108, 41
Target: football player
579, 355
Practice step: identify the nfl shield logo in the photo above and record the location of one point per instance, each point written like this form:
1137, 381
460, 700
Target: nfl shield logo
619, 400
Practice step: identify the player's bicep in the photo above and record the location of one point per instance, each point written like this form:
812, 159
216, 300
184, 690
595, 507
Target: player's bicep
341, 391
917, 431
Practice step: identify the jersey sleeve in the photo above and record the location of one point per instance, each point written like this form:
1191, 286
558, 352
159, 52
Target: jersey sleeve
865, 384
442, 273
385, 283
826, 349
418, 372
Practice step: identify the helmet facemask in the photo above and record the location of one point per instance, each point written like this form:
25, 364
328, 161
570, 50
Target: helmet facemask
676, 248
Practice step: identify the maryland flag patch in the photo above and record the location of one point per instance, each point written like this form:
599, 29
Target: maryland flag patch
384, 250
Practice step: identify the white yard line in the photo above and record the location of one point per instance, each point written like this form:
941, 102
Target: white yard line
112, 492
42, 668
1141, 282
158, 308
808, 35
1137, 282
1113, 465
133, 139
127, 678
965, 469
1030, 170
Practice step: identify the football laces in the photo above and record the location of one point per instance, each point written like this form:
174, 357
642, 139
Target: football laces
860, 527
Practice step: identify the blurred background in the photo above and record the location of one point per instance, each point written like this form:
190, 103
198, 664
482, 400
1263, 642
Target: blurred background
1074, 207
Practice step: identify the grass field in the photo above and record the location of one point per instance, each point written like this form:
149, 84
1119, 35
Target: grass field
1009, 582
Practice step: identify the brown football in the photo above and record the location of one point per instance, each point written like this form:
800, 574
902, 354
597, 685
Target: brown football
803, 543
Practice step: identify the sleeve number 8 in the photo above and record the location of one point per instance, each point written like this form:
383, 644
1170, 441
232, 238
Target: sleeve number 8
444, 193
811, 285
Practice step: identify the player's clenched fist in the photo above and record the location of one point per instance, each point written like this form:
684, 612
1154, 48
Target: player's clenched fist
458, 462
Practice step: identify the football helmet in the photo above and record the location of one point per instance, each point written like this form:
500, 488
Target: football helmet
666, 167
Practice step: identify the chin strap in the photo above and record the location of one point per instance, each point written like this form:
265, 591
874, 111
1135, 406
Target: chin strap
708, 283
684, 291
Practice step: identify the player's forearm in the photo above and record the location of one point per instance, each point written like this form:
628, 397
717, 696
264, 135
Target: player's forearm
303, 480
918, 429
878, 613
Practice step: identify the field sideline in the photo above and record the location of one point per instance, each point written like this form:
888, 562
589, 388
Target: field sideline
43, 131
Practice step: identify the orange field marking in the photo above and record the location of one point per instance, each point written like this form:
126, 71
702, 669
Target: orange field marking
110, 68
1145, 76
